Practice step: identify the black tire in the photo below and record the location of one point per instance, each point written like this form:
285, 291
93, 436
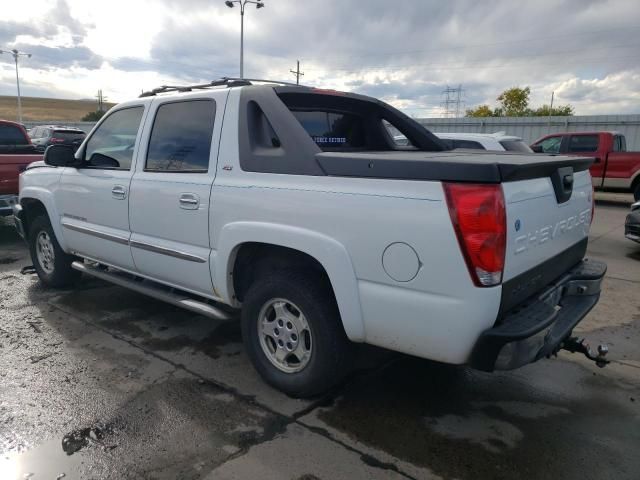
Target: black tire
331, 352
636, 193
58, 273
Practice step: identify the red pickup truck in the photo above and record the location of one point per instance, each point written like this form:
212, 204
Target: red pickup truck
16, 152
614, 168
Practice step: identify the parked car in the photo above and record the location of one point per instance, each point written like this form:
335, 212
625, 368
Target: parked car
295, 205
16, 152
614, 168
498, 142
632, 223
45, 135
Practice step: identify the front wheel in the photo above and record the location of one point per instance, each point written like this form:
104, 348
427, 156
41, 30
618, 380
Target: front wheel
51, 263
293, 334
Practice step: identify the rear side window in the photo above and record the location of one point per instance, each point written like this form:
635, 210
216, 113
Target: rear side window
112, 144
583, 143
181, 137
69, 135
550, 145
515, 146
619, 144
466, 144
12, 135
333, 129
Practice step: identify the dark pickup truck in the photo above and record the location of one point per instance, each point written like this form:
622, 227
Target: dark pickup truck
16, 152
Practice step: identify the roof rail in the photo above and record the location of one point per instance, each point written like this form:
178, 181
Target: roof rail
224, 81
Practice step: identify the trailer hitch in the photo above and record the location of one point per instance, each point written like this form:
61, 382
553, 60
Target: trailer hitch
580, 345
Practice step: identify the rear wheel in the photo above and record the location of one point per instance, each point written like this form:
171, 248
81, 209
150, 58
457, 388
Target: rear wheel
293, 334
51, 263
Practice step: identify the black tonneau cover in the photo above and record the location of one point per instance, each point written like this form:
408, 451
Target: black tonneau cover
455, 166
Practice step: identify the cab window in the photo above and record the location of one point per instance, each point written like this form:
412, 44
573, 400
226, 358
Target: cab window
550, 145
583, 143
181, 137
112, 144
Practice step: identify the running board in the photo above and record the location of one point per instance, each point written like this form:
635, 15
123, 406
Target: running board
154, 290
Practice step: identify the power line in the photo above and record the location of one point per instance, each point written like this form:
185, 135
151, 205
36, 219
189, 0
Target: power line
452, 101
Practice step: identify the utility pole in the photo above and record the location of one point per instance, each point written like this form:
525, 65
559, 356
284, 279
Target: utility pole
15, 53
229, 3
297, 72
550, 111
452, 101
101, 99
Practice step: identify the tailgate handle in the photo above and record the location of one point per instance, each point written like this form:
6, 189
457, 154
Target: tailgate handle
562, 181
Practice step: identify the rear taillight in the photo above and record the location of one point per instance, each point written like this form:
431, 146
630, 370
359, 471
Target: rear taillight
479, 219
56, 140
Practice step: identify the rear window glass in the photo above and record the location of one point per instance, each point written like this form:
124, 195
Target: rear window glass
11, 135
69, 135
333, 129
515, 146
181, 137
583, 143
466, 144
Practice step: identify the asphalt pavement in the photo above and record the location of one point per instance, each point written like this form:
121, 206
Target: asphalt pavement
101, 382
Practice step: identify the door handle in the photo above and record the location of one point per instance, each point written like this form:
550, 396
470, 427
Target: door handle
189, 201
119, 192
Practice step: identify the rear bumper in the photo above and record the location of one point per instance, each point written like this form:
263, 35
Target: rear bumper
6, 204
537, 327
632, 226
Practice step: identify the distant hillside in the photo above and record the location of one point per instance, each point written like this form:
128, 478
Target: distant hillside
47, 109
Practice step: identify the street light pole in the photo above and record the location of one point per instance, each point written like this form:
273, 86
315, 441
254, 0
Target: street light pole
229, 3
15, 53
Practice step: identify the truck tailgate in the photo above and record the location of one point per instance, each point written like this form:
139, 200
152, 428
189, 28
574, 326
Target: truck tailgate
545, 237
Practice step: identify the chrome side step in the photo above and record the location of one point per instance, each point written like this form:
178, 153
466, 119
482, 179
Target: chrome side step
154, 290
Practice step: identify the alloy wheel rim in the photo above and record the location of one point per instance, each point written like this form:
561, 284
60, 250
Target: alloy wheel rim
44, 252
285, 335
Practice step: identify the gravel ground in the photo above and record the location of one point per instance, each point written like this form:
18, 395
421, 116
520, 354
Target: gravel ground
101, 382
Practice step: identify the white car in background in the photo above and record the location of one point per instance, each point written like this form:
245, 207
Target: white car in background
497, 142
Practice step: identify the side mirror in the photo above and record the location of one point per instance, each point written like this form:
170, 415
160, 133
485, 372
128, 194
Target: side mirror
537, 148
100, 160
60, 156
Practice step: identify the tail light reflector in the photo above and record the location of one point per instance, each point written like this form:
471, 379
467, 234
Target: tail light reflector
479, 219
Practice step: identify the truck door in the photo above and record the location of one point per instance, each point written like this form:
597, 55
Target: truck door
587, 144
93, 199
170, 191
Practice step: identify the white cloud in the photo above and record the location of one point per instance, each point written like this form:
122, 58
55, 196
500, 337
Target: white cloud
405, 52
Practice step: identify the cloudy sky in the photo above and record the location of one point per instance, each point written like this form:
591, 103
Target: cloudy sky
404, 51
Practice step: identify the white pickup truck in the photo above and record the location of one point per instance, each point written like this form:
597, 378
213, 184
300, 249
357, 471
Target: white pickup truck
296, 205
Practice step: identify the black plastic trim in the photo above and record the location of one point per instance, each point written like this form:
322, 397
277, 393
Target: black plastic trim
523, 286
481, 167
536, 328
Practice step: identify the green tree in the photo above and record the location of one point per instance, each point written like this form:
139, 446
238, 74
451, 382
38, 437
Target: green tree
480, 111
93, 116
559, 111
515, 101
